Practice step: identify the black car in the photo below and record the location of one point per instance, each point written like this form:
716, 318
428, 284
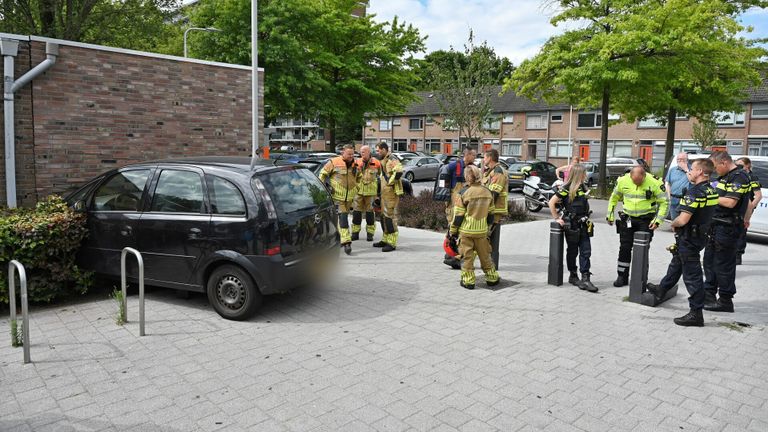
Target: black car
212, 224
544, 170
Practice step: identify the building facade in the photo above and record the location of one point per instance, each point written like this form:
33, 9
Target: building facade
530, 130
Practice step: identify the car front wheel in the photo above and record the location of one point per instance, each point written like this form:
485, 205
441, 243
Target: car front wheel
409, 176
232, 293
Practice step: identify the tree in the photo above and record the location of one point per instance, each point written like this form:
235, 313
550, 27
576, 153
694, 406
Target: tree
706, 134
465, 85
135, 24
500, 68
320, 59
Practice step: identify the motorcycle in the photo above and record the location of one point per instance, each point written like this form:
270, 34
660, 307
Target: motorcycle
537, 194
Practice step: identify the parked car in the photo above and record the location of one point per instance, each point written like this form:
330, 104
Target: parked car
617, 167
284, 156
593, 173
212, 224
509, 160
544, 170
446, 158
404, 155
421, 168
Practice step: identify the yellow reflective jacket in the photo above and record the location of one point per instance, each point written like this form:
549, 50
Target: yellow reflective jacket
497, 181
343, 178
650, 198
473, 211
391, 173
369, 176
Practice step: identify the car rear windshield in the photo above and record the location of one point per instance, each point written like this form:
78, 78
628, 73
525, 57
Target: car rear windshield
295, 190
517, 167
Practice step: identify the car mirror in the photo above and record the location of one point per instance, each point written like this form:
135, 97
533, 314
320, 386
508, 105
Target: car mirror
418, 164
79, 206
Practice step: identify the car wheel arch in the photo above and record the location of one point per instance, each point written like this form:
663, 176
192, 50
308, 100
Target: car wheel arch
227, 257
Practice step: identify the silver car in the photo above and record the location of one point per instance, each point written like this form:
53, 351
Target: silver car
420, 168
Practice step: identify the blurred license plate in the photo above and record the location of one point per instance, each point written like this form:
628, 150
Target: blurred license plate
516, 176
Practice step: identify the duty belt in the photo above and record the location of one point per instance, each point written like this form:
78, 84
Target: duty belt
727, 220
676, 196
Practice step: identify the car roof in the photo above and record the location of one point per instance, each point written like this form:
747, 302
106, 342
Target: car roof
238, 163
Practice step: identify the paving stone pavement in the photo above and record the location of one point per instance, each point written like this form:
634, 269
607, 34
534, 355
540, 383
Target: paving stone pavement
393, 343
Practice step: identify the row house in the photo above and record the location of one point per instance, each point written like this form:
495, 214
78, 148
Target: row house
535, 130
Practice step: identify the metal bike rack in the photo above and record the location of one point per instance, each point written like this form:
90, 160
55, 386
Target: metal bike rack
555, 268
124, 285
15, 265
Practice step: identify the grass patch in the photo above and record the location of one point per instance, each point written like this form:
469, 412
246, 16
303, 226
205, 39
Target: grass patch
17, 334
625, 299
735, 326
120, 317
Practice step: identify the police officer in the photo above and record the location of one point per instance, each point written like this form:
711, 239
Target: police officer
455, 181
473, 215
734, 189
757, 196
367, 189
697, 206
343, 175
644, 207
573, 198
495, 178
391, 190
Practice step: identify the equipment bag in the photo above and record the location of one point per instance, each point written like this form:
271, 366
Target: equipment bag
442, 188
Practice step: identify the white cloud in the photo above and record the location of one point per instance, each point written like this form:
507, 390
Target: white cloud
515, 29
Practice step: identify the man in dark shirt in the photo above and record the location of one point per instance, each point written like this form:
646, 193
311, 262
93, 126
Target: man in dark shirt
733, 187
691, 225
757, 195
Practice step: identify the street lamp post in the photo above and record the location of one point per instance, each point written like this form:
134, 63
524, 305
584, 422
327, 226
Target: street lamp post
205, 29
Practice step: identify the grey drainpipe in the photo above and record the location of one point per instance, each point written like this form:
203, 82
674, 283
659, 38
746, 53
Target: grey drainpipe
10, 49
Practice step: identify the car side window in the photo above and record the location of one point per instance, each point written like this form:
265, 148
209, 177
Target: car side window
122, 192
432, 161
178, 192
225, 197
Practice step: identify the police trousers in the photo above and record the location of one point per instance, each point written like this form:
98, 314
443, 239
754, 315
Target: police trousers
720, 259
686, 262
626, 238
577, 243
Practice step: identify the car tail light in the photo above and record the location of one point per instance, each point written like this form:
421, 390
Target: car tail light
264, 195
273, 251
534, 173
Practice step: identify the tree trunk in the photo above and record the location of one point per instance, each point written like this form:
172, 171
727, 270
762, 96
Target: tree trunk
669, 145
331, 134
47, 10
602, 184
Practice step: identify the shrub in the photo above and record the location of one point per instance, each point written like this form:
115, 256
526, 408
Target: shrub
423, 212
45, 240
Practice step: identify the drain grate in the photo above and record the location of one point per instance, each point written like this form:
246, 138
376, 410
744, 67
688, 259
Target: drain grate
503, 284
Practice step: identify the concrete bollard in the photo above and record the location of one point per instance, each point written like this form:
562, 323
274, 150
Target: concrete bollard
638, 293
556, 244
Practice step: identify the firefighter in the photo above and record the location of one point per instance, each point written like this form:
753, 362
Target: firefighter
391, 190
691, 226
367, 189
455, 182
343, 176
734, 189
496, 179
573, 198
644, 207
473, 215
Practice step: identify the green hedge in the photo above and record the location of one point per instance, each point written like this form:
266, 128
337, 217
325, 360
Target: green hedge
45, 240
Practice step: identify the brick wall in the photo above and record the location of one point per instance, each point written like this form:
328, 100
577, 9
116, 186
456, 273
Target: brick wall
98, 109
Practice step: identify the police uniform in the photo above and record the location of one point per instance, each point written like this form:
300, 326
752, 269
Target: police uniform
700, 201
755, 184
456, 178
642, 205
720, 253
497, 181
578, 229
367, 190
473, 213
391, 190
343, 179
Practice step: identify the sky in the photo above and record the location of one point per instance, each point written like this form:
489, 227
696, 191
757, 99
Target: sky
514, 28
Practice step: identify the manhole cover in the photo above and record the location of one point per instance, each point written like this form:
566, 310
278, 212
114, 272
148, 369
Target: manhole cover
503, 284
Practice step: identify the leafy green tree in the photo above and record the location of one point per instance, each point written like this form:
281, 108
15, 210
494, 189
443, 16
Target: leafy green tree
135, 24
427, 69
705, 133
465, 84
320, 60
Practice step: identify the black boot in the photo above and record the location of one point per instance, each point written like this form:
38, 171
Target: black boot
656, 290
723, 304
369, 237
586, 284
348, 248
388, 248
622, 280
573, 279
694, 318
710, 300
467, 286
355, 236
452, 262
379, 244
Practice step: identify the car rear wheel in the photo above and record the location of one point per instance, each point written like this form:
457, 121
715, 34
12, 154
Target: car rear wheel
232, 293
409, 176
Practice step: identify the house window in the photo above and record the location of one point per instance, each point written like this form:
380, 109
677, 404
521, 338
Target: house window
396, 122
612, 116
430, 121
590, 120
560, 149
508, 118
536, 120
368, 122
760, 111
758, 147
385, 125
415, 124
556, 117
433, 145
511, 147
400, 145
619, 149
450, 124
650, 122
728, 118
492, 123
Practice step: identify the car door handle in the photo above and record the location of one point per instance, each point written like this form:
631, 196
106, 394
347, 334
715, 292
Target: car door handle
126, 231
193, 232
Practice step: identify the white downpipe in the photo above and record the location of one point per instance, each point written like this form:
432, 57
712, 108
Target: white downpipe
9, 51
